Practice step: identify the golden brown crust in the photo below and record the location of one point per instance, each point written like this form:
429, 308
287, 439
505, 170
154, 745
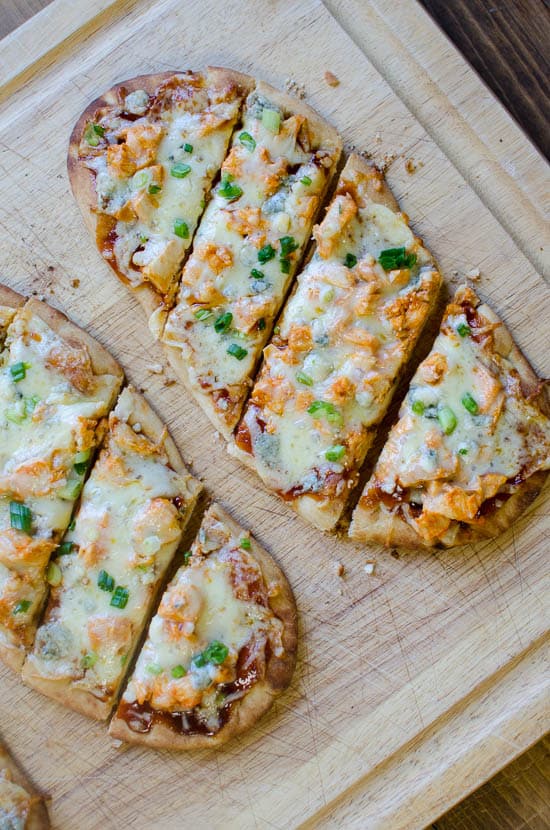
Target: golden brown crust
378, 524
279, 670
12, 655
82, 181
10, 298
38, 815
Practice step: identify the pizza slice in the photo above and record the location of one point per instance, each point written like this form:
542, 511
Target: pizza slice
141, 162
221, 646
57, 385
20, 807
247, 248
110, 564
345, 335
10, 301
471, 448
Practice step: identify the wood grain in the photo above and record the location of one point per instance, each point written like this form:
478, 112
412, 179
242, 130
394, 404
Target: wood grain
391, 632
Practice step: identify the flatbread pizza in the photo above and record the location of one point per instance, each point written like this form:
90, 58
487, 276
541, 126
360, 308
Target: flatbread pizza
220, 648
20, 807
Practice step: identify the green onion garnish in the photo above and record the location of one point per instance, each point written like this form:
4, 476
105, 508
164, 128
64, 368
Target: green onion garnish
89, 660
203, 314
72, 524
306, 181
464, 330
266, 253
153, 189
301, 377
178, 671
328, 410
19, 371
54, 575
350, 261
228, 190
20, 517
237, 351
469, 403
288, 244
223, 322
247, 141
418, 407
188, 148
216, 653
105, 581
31, 404
154, 668
120, 597
261, 323
181, 228
463, 451
393, 258
447, 419
256, 274
22, 606
187, 556
66, 548
285, 265
245, 543
180, 171
271, 120
93, 133
81, 462
335, 453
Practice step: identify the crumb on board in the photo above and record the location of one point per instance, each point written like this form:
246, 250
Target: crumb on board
369, 568
394, 553
51, 268
378, 138
338, 568
116, 742
331, 79
169, 382
75, 283
473, 274
295, 88
387, 161
155, 368
410, 166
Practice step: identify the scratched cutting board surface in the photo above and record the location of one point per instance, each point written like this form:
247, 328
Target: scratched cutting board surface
414, 683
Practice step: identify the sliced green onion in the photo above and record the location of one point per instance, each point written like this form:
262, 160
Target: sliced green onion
261, 323
393, 258
469, 403
180, 170
223, 322
463, 451
187, 556
143, 239
20, 517
237, 351
89, 660
288, 244
228, 190
153, 189
54, 575
266, 253
120, 597
245, 543
71, 489
256, 274
203, 314
31, 404
271, 120
328, 410
66, 548
350, 260
447, 419
306, 181
105, 581
16, 416
154, 668
181, 229
18, 371
188, 148
418, 407
178, 671
22, 606
285, 265
335, 453
93, 133
301, 377
72, 524
247, 141
464, 330
216, 653
81, 462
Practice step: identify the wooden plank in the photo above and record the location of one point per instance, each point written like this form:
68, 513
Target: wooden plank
389, 662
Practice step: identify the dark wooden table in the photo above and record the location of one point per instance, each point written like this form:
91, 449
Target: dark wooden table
507, 42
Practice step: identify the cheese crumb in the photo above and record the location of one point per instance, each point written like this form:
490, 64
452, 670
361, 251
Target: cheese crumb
474, 274
137, 427
331, 79
369, 568
410, 166
295, 88
155, 368
338, 568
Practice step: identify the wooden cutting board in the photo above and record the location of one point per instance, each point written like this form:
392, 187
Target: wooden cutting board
414, 683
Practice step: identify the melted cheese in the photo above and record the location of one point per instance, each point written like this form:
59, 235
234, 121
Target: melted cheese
270, 189
344, 337
195, 132
125, 534
206, 602
465, 433
46, 425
